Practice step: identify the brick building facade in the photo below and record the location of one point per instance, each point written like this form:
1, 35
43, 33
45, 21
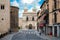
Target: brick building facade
14, 18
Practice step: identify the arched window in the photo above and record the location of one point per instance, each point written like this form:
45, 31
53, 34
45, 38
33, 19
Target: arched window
32, 18
27, 18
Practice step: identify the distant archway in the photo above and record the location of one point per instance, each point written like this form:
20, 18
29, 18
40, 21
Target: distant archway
30, 26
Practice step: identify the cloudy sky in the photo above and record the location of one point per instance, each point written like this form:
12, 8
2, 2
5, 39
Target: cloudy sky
29, 4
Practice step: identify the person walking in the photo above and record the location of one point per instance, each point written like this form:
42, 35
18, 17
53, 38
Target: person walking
40, 31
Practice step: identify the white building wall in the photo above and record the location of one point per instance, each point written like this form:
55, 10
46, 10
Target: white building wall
30, 15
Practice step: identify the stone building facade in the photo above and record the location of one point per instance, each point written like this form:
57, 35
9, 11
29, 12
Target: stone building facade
43, 17
54, 16
14, 18
29, 20
4, 16
53, 10
20, 23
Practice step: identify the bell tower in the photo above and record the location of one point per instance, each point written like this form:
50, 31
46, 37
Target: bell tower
25, 8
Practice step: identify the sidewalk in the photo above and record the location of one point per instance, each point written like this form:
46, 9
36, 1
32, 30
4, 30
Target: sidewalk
47, 37
8, 37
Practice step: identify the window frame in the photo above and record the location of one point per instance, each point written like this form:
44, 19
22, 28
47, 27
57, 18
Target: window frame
27, 18
2, 7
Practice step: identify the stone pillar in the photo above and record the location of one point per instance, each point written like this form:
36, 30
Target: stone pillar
53, 30
57, 31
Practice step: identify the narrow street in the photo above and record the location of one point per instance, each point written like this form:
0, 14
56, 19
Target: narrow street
29, 19
27, 35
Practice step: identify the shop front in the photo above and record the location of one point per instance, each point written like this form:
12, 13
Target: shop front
56, 30
48, 30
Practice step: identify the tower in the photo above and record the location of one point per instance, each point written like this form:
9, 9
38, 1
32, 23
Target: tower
25, 8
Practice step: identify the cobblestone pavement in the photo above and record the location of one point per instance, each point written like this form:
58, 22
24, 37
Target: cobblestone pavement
8, 37
27, 35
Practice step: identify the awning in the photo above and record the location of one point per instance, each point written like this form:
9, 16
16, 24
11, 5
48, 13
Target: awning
41, 25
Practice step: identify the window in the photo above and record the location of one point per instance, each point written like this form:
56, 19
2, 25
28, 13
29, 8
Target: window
32, 18
2, 6
59, 10
2, 19
26, 18
55, 4
10, 11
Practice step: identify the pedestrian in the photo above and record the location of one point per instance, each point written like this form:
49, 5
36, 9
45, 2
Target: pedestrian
39, 31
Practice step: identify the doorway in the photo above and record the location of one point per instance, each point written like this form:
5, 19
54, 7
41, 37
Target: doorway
30, 26
55, 31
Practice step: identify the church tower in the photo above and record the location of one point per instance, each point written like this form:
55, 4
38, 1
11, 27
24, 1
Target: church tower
25, 8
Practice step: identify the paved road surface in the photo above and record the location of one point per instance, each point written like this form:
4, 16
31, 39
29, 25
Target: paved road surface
27, 35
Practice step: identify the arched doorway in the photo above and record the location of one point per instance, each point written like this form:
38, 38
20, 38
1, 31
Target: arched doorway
30, 26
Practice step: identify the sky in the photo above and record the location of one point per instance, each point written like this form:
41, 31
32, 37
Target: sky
29, 4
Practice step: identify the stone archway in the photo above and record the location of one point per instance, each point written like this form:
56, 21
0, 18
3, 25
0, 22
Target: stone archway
30, 26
